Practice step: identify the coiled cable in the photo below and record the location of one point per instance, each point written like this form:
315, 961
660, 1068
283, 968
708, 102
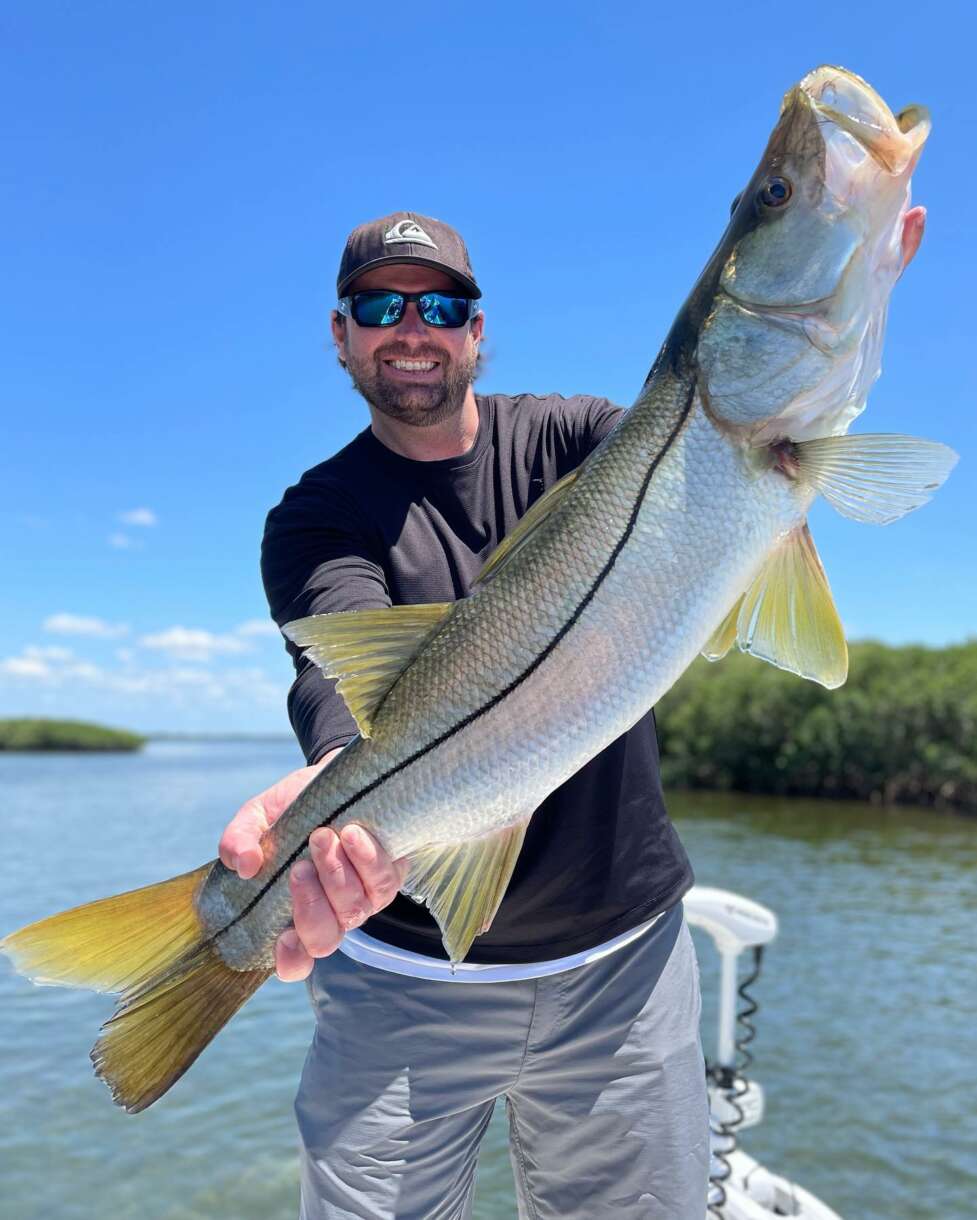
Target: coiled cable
731, 1080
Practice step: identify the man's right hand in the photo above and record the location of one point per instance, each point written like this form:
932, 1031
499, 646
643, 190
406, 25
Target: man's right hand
348, 878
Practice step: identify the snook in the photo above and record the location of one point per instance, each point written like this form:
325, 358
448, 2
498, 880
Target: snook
684, 532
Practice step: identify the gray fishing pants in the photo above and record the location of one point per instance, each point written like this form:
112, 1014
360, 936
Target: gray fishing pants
601, 1068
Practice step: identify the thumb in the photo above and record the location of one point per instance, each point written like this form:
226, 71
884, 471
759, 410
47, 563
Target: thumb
240, 844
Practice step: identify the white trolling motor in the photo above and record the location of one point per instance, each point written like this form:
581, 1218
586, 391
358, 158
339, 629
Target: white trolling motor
739, 1187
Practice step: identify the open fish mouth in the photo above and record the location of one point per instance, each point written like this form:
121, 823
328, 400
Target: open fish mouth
893, 140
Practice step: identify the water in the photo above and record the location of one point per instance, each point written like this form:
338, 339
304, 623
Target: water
868, 1002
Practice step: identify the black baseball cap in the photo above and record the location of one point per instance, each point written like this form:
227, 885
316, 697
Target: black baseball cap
406, 237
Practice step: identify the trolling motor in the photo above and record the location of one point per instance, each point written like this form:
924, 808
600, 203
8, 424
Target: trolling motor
739, 1187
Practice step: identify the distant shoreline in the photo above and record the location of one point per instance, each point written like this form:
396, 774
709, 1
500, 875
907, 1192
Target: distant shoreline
36, 735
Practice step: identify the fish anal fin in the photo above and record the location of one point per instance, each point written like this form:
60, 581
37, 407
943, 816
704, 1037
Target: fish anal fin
366, 650
528, 524
874, 477
788, 616
724, 637
463, 884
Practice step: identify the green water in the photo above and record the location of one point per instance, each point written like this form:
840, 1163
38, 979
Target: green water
865, 1046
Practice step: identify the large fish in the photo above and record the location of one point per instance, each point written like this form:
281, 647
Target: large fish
684, 532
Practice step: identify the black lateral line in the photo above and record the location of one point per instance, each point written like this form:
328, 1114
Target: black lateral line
497, 698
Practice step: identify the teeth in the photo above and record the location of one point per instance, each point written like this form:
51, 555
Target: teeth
414, 366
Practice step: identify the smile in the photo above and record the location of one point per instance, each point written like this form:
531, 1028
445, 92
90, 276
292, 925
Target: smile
413, 366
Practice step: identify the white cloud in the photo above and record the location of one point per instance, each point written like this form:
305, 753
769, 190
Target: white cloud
176, 676
86, 670
122, 542
77, 624
36, 663
193, 643
180, 685
48, 652
257, 626
25, 667
139, 516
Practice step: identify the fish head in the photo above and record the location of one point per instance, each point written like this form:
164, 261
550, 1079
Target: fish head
791, 310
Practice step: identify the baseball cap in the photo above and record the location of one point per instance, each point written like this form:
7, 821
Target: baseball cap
406, 237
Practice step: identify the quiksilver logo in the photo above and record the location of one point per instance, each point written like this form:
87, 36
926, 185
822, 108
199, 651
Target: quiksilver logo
407, 230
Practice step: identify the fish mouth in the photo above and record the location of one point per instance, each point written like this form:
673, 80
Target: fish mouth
841, 97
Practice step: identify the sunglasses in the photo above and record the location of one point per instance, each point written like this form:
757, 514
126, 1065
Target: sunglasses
378, 307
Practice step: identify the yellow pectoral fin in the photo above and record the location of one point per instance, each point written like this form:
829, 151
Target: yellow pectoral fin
462, 885
788, 616
366, 650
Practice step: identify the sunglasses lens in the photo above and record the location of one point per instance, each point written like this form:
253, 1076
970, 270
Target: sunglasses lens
439, 310
383, 308
377, 308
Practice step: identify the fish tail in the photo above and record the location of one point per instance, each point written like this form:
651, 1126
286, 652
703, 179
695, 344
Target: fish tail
149, 945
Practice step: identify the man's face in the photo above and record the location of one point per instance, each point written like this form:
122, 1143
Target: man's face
371, 354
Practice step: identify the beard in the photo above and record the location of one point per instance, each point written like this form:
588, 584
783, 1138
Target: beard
423, 406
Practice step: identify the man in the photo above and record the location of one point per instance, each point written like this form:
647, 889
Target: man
580, 1005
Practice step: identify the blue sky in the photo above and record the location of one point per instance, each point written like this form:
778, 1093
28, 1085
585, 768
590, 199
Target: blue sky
177, 184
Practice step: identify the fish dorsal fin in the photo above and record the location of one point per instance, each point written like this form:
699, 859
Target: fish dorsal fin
788, 616
528, 524
874, 477
462, 885
724, 637
366, 650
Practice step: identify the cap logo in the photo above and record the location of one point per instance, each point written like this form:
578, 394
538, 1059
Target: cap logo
407, 231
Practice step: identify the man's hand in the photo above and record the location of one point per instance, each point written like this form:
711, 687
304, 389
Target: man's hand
349, 877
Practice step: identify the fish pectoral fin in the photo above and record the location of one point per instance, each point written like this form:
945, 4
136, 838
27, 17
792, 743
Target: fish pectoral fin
529, 523
788, 616
366, 650
875, 478
462, 885
176, 992
724, 637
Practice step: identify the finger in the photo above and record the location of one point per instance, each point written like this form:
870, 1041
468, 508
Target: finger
292, 963
340, 880
913, 225
379, 875
240, 847
313, 916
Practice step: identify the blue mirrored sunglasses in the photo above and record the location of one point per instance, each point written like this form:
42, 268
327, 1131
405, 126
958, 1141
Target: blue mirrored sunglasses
379, 307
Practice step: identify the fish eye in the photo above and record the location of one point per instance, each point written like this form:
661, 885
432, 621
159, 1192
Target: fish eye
775, 192
736, 203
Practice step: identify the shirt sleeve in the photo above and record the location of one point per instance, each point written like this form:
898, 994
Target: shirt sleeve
586, 421
317, 559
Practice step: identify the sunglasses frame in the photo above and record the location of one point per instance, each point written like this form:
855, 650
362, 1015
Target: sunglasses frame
345, 307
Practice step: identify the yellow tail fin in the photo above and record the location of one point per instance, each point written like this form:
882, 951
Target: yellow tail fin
148, 945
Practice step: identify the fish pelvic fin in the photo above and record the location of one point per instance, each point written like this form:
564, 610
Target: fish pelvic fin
724, 637
463, 885
788, 616
874, 477
150, 947
367, 650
